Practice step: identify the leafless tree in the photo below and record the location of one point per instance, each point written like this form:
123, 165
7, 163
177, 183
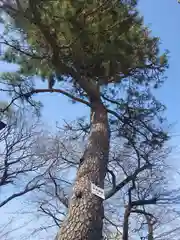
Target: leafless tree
128, 165
20, 170
148, 199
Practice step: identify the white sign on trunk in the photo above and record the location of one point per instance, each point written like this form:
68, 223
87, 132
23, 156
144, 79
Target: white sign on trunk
97, 191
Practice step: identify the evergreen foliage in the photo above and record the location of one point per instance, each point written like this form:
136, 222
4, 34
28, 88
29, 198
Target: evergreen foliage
101, 42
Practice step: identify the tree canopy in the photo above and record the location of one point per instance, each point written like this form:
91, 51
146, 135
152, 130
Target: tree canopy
98, 48
104, 41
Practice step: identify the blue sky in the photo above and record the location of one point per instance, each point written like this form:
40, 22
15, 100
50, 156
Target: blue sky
163, 16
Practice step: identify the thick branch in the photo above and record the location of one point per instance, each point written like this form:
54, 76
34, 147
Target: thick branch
144, 202
35, 91
90, 88
113, 177
142, 212
58, 91
125, 181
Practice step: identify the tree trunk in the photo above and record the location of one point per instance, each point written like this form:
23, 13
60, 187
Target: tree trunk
126, 223
150, 229
85, 217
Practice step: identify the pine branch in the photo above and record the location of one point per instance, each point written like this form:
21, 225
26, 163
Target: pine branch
18, 49
35, 91
90, 88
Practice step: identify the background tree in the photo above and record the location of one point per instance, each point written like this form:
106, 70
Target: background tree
18, 165
60, 164
107, 60
151, 184
17, 159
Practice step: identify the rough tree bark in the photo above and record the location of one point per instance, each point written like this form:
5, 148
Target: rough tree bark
85, 217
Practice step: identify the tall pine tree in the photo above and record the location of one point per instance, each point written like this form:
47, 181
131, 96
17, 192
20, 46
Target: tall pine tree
109, 61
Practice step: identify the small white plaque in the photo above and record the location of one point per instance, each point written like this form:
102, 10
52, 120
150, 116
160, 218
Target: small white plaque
97, 191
